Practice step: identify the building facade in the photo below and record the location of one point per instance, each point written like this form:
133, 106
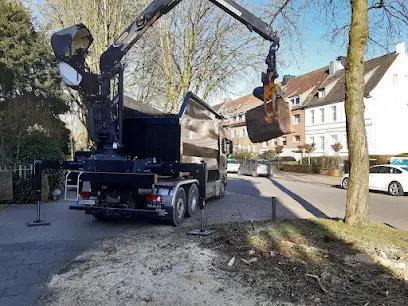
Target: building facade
386, 107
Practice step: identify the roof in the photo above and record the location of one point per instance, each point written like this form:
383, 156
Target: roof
334, 85
306, 85
237, 106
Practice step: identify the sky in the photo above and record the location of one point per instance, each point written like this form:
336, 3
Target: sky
313, 53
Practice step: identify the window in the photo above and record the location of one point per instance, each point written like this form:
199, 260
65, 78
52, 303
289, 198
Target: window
296, 119
322, 144
395, 79
334, 113
296, 138
395, 171
284, 141
334, 138
311, 139
295, 100
322, 115
312, 118
321, 93
385, 170
374, 169
265, 144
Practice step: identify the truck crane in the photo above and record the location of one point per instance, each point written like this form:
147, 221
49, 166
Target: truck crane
145, 162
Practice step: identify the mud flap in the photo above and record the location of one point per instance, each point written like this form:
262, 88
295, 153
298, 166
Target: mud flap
258, 129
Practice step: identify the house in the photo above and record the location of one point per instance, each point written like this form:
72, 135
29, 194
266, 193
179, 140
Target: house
299, 90
234, 111
386, 106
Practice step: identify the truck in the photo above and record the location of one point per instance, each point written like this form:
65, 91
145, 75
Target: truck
145, 162
175, 160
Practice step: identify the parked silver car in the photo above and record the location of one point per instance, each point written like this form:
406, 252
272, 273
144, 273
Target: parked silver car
256, 167
232, 165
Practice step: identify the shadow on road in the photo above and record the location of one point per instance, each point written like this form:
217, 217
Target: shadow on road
305, 204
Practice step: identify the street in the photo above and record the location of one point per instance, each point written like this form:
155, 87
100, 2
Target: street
306, 200
31, 255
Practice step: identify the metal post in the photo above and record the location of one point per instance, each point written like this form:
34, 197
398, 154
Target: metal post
203, 175
274, 208
37, 179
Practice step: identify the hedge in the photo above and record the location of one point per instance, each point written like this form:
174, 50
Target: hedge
296, 168
381, 159
324, 162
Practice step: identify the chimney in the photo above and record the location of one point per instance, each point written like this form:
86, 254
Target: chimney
337, 65
286, 79
400, 48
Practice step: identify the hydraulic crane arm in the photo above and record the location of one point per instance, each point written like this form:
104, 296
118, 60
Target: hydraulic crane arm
104, 91
111, 58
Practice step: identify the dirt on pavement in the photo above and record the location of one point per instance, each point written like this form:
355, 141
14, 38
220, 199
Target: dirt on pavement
294, 262
169, 269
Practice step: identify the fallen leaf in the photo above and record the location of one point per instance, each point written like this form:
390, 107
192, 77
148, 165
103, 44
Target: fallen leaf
253, 259
231, 262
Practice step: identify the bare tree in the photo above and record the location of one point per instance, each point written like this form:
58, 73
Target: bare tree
377, 24
199, 48
309, 149
357, 205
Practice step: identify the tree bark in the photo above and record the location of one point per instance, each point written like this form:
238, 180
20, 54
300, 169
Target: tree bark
358, 200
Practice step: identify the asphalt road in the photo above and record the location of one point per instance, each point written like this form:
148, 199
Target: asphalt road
29, 256
306, 200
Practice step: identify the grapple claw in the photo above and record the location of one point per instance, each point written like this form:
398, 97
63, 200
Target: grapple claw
270, 120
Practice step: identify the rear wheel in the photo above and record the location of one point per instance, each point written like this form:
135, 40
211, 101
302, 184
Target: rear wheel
179, 208
395, 189
192, 199
345, 183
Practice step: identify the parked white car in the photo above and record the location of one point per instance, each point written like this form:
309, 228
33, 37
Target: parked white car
232, 165
390, 178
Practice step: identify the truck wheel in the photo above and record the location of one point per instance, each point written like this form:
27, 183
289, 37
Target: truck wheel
193, 201
179, 209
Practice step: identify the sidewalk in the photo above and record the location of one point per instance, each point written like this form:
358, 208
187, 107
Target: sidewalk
308, 178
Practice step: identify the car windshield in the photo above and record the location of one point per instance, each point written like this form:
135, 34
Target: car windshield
232, 161
263, 162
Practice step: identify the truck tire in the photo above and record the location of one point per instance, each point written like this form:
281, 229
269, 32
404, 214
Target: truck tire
193, 204
179, 208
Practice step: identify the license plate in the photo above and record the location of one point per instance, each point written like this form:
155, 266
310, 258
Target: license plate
87, 202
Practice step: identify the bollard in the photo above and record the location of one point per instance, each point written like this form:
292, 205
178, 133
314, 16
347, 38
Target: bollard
37, 183
274, 200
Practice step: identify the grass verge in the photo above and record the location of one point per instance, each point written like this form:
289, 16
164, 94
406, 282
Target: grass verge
317, 262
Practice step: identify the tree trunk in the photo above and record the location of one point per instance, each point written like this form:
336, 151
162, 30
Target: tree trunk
358, 200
